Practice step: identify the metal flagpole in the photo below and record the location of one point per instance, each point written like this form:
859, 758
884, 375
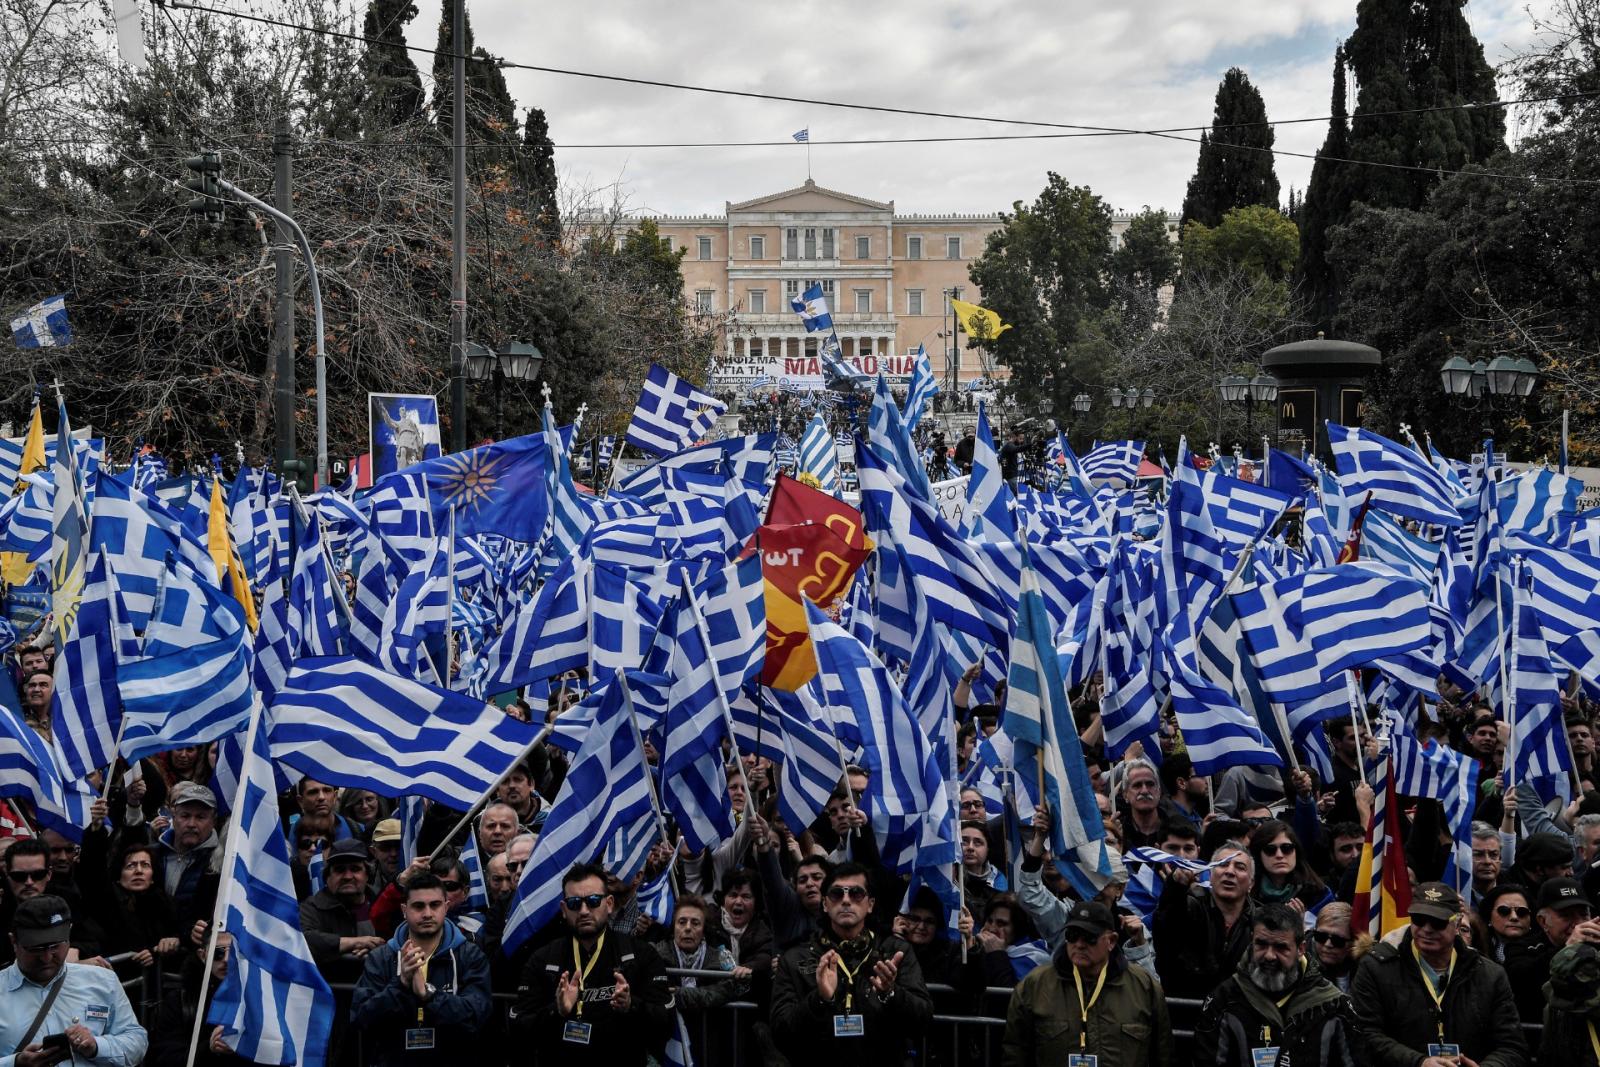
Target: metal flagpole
722, 698
105, 783
484, 799
638, 739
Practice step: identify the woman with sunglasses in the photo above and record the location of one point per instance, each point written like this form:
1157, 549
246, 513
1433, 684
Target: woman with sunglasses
1334, 946
1508, 912
1283, 876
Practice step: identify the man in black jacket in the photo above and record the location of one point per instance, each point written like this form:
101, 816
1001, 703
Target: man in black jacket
596, 997
848, 997
1201, 936
337, 919
1432, 1001
424, 996
1562, 916
1277, 1008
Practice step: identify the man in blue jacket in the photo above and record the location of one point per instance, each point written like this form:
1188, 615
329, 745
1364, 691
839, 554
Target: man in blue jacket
424, 995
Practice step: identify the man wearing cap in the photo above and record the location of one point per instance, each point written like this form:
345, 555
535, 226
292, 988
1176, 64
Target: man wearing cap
188, 855
337, 919
1562, 917
386, 852
1278, 1008
1542, 856
80, 1012
1572, 1015
1431, 1001
1088, 1006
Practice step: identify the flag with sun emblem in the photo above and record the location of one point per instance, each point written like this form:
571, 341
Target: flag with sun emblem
495, 489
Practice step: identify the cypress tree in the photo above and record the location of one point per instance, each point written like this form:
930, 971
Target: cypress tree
394, 84
491, 113
538, 171
1235, 167
1323, 204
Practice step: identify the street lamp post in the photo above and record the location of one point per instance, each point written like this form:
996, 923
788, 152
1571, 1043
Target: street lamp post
1245, 392
1498, 383
1080, 405
517, 362
1132, 399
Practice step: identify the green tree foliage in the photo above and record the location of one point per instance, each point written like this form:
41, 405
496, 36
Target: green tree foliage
1046, 272
1325, 202
1235, 167
394, 84
491, 112
1257, 240
1492, 265
537, 171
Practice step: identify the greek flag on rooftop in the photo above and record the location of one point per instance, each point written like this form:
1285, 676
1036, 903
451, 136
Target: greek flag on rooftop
190, 682
44, 325
666, 418
274, 1005
351, 724
1400, 481
606, 790
924, 387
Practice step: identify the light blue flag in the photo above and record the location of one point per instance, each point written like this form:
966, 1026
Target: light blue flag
889, 438
988, 515
274, 1005
924, 387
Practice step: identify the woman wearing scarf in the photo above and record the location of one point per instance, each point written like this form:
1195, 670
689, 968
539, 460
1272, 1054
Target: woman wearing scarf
688, 950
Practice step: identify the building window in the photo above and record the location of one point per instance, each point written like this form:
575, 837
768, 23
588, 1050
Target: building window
705, 247
758, 301
811, 243
791, 244
913, 301
827, 245
863, 248
863, 301
952, 247
758, 248
794, 287
703, 299
791, 288
913, 248
755, 348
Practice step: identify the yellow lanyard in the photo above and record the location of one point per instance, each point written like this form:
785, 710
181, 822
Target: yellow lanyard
1444, 984
1594, 1042
850, 978
583, 970
1100, 983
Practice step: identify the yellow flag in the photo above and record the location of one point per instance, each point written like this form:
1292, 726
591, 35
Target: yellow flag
979, 322
229, 569
14, 565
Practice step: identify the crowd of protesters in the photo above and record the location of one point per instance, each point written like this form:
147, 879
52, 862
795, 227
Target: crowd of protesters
807, 926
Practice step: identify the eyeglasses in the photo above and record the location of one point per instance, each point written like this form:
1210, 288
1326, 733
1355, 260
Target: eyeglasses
1506, 911
921, 920
1281, 848
24, 877
592, 902
1074, 934
515, 865
450, 885
972, 803
1323, 937
837, 893
40, 950
1429, 922
313, 843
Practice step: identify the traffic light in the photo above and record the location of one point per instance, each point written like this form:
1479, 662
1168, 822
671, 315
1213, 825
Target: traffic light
208, 165
300, 470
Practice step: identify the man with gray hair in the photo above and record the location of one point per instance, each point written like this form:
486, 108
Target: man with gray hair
1486, 858
1586, 831
1141, 808
1202, 935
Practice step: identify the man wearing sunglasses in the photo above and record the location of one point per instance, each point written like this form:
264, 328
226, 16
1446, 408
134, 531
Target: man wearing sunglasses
1430, 1001
28, 874
1276, 1006
593, 995
850, 996
1089, 1006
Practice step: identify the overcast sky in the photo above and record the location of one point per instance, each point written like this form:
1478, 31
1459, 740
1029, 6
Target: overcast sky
1138, 64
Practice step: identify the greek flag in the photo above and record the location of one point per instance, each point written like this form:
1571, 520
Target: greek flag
274, 1005
802, 135
86, 707
472, 860
1565, 585
69, 533
351, 724
812, 307
402, 513
924, 387
624, 619
313, 613
693, 784
28, 769
1038, 719
1538, 748
44, 325
818, 456
1384, 540
272, 652
190, 682
608, 445
668, 415
657, 898
606, 791
1538, 502
1130, 708
732, 602
569, 519
27, 520
418, 614
1027, 956
1114, 461
137, 535
988, 515
1450, 777
1240, 511
538, 643
1400, 481
813, 756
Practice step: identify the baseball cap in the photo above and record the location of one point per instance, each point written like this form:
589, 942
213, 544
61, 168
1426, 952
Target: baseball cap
1091, 917
1544, 850
42, 920
346, 848
1575, 979
192, 793
386, 831
1561, 893
1435, 900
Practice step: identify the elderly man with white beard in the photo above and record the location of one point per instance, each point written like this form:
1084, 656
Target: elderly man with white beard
1277, 1008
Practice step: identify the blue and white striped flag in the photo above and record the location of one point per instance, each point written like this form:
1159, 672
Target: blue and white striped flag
86, 707
350, 724
550, 638
314, 628
472, 860
69, 532
732, 602
988, 514
818, 456
888, 436
569, 520
812, 307
693, 783
28, 517
1114, 461
402, 512
1538, 502
419, 614
657, 897
274, 1005
668, 415
137, 535
1400, 481
28, 769
811, 768
1538, 752
924, 387
606, 790
190, 682
1385, 540
44, 325
1450, 777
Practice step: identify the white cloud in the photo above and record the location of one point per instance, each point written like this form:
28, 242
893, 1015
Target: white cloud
1141, 65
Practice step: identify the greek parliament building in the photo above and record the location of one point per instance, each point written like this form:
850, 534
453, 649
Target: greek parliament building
886, 277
